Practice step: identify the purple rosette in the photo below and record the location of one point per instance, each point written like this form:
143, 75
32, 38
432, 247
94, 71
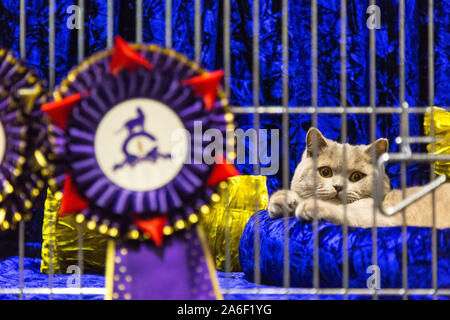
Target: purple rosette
114, 204
22, 134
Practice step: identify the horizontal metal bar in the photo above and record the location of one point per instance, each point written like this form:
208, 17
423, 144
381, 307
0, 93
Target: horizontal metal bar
390, 157
337, 291
281, 291
325, 109
416, 196
48, 291
426, 139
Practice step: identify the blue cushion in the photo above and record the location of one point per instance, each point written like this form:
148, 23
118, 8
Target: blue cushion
301, 244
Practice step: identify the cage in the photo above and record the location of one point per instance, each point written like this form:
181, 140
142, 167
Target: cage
357, 70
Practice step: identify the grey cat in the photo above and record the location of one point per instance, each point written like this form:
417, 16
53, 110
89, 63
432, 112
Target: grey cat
299, 200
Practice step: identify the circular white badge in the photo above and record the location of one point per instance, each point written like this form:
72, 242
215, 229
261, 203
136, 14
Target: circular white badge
141, 144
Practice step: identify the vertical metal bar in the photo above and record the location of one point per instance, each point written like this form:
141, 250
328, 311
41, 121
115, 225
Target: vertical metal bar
51, 44
404, 135
22, 223
169, 23
314, 104
79, 225
51, 84
21, 255
285, 133
110, 24
198, 30
227, 77
226, 62
80, 256
23, 30
256, 124
373, 133
138, 21
430, 27
81, 32
227, 239
344, 134
226, 46
51, 255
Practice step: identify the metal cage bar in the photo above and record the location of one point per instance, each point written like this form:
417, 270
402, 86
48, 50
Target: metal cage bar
226, 80
168, 30
139, 21
344, 135
285, 133
21, 238
198, 30
373, 123
404, 128
110, 24
430, 30
256, 125
314, 103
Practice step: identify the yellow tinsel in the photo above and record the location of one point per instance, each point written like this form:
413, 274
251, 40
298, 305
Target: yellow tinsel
60, 234
441, 124
229, 212
243, 196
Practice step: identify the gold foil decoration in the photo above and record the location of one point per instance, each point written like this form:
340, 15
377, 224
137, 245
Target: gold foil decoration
237, 202
61, 235
441, 124
243, 196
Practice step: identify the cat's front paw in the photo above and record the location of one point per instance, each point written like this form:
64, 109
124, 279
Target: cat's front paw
306, 208
282, 203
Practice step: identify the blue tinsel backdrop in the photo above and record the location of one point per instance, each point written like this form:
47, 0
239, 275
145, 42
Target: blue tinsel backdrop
387, 40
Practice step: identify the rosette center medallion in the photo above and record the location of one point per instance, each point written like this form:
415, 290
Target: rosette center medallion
141, 144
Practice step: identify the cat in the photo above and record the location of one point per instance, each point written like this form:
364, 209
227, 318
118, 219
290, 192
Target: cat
299, 200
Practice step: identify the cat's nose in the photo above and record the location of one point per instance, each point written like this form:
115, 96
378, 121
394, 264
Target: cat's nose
338, 188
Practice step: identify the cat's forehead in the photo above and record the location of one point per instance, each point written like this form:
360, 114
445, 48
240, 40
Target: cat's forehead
333, 154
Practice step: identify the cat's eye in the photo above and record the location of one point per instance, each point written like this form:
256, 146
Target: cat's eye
356, 176
326, 172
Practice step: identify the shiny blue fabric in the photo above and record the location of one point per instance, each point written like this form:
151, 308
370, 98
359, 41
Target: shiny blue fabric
33, 278
301, 248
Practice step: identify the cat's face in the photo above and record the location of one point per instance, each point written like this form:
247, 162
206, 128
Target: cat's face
360, 175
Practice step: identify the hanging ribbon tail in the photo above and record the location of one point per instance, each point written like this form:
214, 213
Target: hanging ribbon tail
153, 227
182, 270
222, 170
206, 85
59, 111
71, 202
125, 57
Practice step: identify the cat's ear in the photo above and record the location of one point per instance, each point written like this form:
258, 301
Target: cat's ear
314, 136
381, 146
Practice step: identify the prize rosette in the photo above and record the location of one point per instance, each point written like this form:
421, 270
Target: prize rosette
134, 120
23, 138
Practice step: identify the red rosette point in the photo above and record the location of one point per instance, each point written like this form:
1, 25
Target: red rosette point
206, 85
125, 57
59, 111
153, 227
71, 201
222, 171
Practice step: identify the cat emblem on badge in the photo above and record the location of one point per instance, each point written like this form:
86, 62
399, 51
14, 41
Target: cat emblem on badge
138, 134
